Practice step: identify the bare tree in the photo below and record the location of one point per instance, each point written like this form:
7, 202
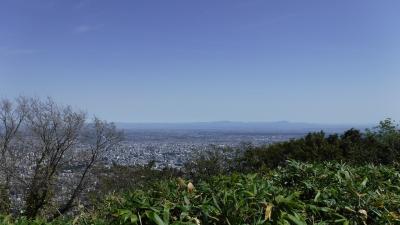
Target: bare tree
102, 138
55, 130
11, 117
39, 141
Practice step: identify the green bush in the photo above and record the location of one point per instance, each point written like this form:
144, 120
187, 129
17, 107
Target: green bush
380, 145
298, 193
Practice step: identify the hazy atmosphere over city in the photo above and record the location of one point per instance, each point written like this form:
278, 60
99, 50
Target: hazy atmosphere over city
190, 61
199, 112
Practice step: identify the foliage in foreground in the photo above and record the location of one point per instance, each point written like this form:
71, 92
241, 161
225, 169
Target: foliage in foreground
299, 193
258, 185
380, 145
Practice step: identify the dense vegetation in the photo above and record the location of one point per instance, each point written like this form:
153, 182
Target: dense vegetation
380, 145
299, 193
351, 178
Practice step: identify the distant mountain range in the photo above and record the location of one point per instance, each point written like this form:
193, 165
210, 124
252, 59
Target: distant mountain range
273, 127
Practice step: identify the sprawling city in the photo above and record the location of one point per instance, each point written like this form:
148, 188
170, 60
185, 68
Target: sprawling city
172, 148
199, 112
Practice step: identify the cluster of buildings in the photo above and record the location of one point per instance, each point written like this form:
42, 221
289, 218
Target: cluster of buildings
165, 149
171, 149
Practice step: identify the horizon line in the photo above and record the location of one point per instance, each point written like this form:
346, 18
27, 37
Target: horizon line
246, 122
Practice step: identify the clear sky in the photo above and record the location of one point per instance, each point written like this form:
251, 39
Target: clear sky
206, 60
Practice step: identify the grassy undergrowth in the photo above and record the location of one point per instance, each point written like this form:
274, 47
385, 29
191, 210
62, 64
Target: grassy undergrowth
298, 193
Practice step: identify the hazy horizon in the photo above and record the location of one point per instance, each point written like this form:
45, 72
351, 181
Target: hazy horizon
243, 122
178, 61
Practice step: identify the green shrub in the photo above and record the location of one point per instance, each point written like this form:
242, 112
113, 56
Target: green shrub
298, 193
380, 145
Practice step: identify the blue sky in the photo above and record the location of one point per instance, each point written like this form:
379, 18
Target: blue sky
206, 60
